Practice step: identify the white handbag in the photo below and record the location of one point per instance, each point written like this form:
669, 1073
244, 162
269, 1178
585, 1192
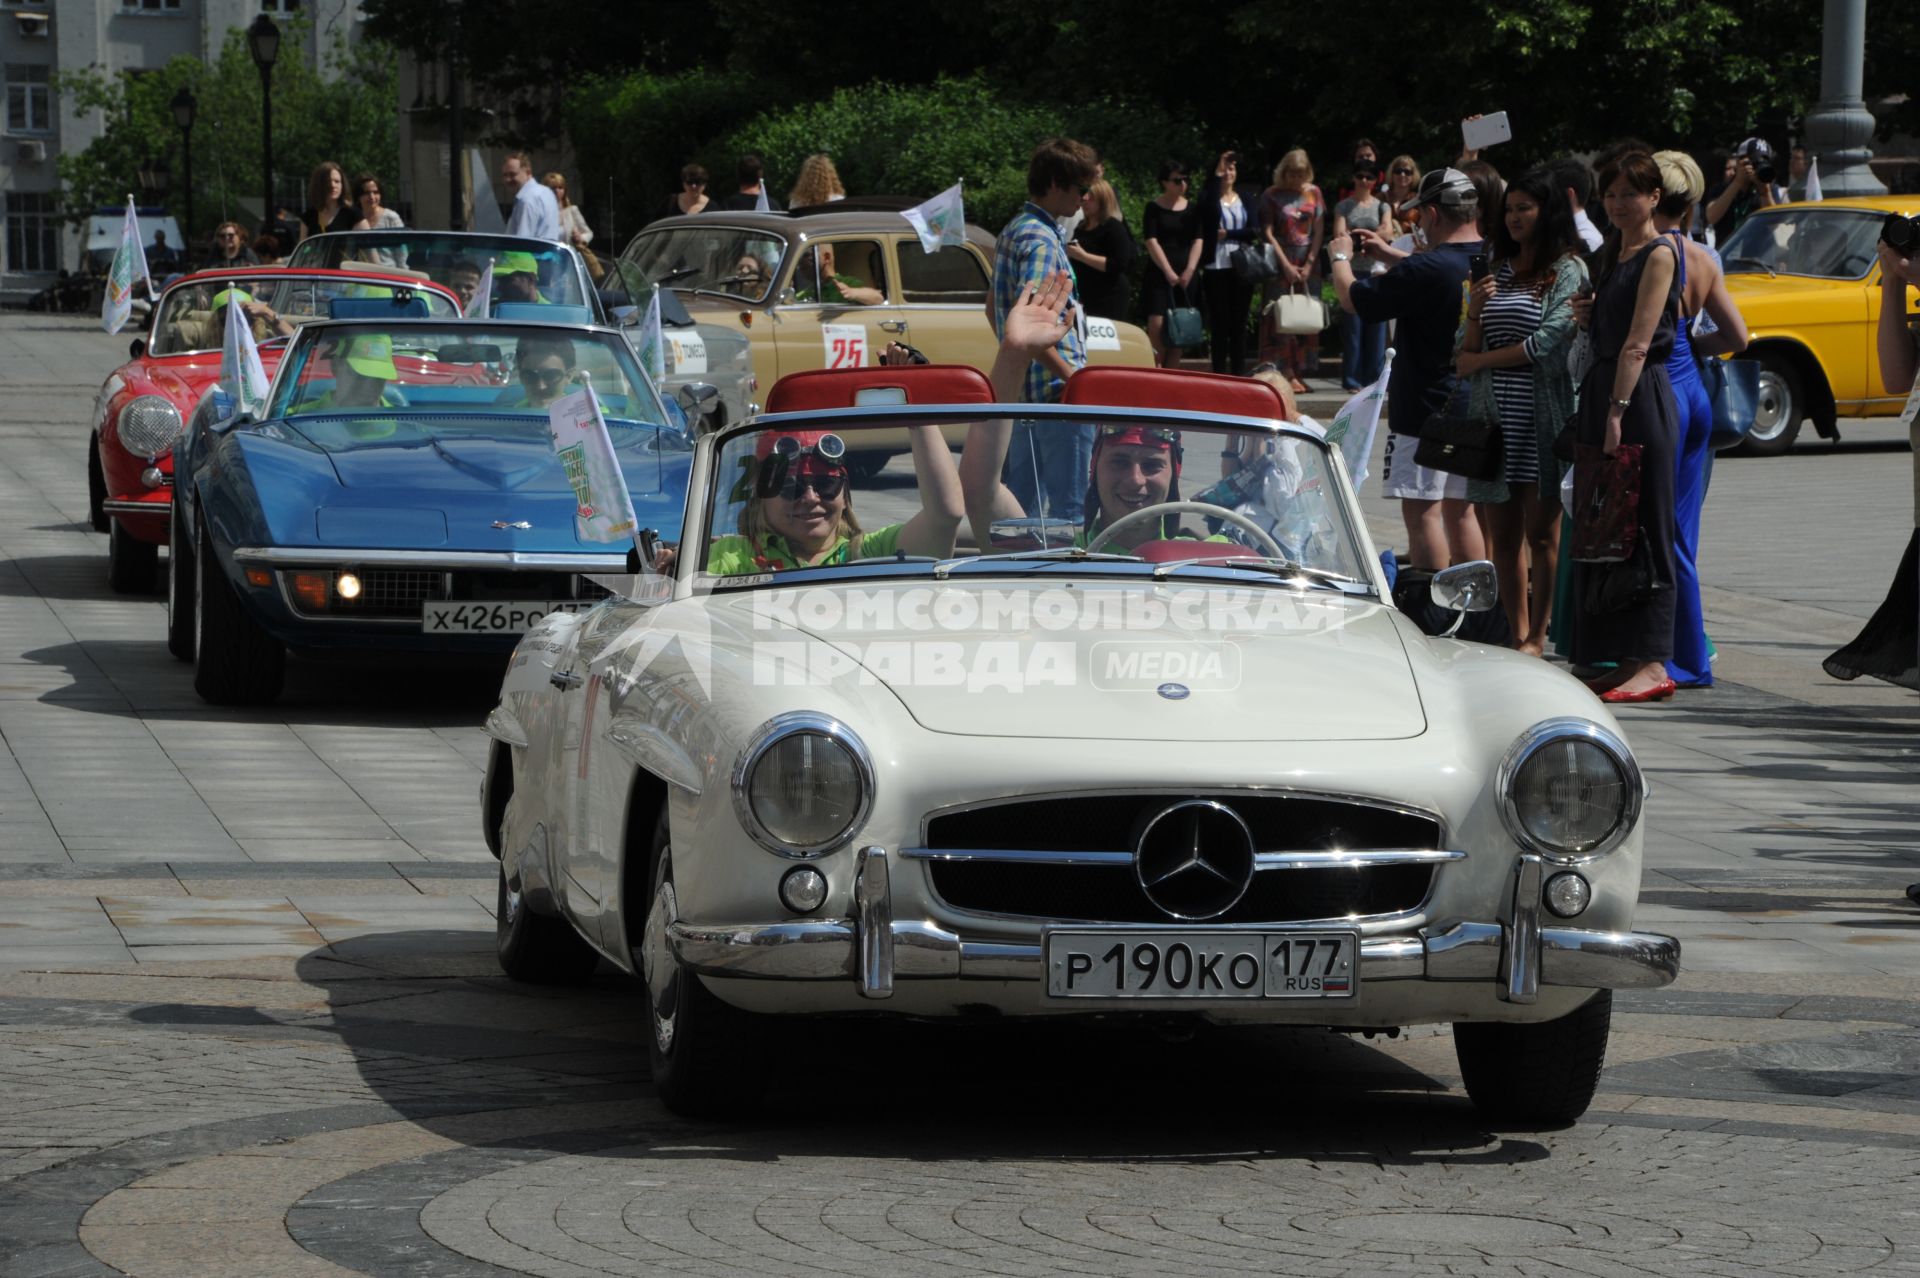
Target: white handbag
1297, 314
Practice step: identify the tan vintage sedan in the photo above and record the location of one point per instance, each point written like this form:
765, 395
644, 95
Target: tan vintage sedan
820, 289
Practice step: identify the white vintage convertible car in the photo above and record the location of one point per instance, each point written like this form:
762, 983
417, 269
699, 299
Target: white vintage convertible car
1169, 756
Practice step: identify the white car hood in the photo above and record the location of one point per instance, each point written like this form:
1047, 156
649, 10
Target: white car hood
1300, 666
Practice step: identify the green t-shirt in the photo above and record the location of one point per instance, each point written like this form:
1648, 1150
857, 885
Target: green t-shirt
829, 292
733, 556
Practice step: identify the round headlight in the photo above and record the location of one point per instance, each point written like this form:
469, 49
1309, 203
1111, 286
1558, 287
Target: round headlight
1569, 790
148, 426
802, 784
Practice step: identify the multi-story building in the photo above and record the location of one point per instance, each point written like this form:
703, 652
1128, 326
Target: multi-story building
40, 39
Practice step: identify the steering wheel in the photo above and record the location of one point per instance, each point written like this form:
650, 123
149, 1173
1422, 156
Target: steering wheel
1261, 538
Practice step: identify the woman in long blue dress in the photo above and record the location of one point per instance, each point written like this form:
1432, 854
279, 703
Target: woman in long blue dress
1703, 291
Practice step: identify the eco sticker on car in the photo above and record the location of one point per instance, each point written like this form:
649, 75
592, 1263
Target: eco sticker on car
1102, 334
688, 353
846, 345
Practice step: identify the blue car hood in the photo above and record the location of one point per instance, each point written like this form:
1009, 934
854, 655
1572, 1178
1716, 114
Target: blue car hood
466, 482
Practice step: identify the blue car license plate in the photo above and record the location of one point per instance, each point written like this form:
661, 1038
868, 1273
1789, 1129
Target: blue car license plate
492, 617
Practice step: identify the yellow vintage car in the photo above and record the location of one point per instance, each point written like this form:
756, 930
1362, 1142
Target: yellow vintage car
763, 273
1807, 279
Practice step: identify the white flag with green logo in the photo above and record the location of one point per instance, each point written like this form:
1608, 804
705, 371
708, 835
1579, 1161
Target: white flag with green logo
483, 294
941, 220
1355, 424
129, 264
653, 343
602, 507
240, 369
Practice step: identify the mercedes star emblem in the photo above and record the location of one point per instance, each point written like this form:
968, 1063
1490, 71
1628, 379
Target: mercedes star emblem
1173, 691
1194, 860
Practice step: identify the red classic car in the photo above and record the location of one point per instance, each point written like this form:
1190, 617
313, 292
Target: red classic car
142, 405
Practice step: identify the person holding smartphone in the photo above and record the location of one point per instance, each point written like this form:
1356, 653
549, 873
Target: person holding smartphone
1513, 345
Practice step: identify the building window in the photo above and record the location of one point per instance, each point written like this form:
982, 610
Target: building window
149, 6
33, 232
279, 6
29, 100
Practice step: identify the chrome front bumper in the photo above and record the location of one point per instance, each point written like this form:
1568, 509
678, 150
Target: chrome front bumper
875, 950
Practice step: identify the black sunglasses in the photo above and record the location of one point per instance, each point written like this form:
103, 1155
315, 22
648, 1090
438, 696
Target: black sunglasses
543, 376
1403, 172
827, 487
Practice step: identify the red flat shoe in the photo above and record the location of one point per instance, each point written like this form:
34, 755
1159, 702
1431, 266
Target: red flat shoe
1658, 692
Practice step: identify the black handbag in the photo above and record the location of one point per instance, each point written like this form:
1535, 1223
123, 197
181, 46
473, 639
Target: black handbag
1457, 439
1254, 264
1625, 584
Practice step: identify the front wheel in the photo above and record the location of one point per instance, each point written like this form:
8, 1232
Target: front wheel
1782, 406
236, 663
703, 1052
96, 487
1540, 1075
133, 566
180, 588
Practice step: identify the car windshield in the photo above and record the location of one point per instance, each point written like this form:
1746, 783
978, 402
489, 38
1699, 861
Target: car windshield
720, 259
1834, 244
193, 316
830, 494
349, 372
525, 272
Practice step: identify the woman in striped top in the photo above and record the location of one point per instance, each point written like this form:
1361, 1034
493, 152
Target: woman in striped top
1513, 345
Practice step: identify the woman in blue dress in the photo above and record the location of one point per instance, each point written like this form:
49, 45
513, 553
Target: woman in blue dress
1703, 292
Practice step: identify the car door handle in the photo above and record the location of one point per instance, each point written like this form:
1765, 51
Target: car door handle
894, 326
565, 679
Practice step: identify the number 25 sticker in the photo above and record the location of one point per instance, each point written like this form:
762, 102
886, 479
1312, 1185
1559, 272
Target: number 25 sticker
846, 345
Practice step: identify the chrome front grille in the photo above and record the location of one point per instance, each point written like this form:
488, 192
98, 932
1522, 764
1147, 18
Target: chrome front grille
1070, 858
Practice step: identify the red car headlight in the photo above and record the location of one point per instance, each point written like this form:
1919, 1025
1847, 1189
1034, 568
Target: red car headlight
148, 426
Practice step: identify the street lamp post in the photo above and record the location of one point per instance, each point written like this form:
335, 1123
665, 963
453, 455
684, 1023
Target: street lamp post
456, 140
263, 42
185, 107
1839, 128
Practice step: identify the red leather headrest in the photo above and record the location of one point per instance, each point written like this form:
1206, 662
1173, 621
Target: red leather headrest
822, 388
1174, 389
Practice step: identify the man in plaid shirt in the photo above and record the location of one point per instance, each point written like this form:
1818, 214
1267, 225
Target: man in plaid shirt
1047, 467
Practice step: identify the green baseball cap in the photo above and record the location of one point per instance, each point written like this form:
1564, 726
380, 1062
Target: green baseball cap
226, 295
371, 355
516, 264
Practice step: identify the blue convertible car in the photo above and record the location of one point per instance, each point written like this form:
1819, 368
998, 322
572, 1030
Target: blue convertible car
400, 492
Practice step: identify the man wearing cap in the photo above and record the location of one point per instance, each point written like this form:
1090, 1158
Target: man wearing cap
1425, 294
536, 213
1751, 187
265, 320
516, 278
363, 371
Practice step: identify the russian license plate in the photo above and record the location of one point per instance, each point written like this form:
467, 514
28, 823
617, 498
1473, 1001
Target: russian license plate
492, 616
1202, 965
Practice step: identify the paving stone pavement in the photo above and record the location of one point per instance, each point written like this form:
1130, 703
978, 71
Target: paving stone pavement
250, 1022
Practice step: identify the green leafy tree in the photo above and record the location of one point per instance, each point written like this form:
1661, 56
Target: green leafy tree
350, 118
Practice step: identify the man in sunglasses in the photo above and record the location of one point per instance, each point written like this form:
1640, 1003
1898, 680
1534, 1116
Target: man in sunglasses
799, 507
545, 367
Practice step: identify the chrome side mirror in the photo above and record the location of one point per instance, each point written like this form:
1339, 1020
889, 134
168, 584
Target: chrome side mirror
698, 398
787, 296
1465, 588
